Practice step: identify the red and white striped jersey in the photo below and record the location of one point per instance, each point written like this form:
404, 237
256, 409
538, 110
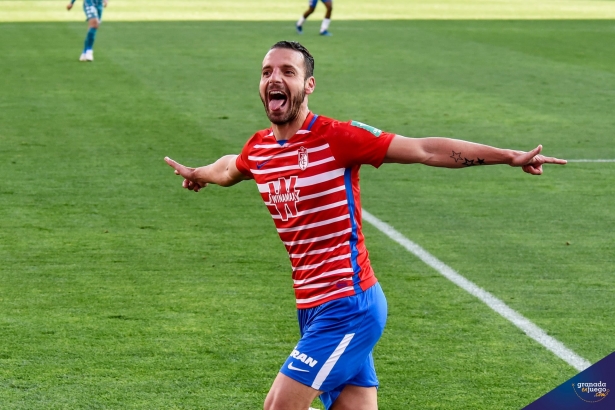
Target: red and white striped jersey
310, 184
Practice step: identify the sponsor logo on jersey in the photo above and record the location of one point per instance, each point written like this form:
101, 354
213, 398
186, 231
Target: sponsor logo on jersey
303, 158
366, 127
284, 196
303, 358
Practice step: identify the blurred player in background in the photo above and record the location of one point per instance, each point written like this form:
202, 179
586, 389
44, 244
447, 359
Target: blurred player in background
93, 13
324, 27
306, 168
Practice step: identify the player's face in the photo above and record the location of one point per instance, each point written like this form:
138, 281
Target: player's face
283, 85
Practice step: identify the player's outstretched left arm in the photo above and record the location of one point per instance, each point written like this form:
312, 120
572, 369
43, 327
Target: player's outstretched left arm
223, 172
452, 153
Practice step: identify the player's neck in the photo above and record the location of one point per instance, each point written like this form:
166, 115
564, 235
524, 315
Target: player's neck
286, 131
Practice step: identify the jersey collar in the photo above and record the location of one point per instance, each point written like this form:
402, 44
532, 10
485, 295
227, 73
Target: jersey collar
309, 121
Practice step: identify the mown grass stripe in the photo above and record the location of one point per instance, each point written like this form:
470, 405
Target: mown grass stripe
493, 302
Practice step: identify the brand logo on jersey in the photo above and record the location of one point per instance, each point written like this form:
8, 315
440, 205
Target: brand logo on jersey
303, 158
284, 196
342, 284
366, 127
262, 164
303, 358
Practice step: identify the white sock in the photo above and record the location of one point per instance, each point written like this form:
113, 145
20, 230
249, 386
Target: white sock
325, 24
301, 21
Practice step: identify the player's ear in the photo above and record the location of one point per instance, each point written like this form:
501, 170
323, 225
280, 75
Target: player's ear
310, 85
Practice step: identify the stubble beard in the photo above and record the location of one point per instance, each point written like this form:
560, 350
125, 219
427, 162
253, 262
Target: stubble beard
292, 113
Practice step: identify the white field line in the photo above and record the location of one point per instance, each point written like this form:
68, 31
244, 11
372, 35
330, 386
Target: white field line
494, 303
591, 160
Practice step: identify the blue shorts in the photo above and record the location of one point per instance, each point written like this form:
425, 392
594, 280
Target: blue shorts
313, 3
337, 339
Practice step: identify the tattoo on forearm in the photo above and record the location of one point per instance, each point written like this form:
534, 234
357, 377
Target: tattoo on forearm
466, 161
456, 156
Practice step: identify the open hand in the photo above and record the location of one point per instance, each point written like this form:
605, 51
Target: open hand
531, 161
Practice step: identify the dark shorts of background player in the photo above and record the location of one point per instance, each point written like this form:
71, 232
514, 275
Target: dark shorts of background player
337, 339
313, 3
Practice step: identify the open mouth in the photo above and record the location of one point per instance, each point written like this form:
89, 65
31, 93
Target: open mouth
277, 100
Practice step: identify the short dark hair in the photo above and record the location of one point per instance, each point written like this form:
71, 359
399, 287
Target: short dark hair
307, 57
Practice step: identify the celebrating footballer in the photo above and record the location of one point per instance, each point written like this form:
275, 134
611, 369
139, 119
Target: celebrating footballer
306, 167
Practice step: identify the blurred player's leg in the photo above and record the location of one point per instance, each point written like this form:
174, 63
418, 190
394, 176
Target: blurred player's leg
310, 10
88, 46
93, 14
324, 27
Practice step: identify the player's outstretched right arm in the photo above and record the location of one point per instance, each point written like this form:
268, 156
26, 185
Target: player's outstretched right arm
223, 172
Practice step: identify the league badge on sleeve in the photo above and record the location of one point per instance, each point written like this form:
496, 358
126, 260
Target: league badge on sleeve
303, 158
366, 127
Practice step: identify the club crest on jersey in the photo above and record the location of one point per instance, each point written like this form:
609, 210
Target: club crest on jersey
303, 158
284, 196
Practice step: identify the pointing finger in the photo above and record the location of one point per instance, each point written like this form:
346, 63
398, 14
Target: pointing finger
172, 163
524, 158
180, 169
553, 160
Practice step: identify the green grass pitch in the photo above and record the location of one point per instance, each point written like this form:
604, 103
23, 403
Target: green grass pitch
120, 290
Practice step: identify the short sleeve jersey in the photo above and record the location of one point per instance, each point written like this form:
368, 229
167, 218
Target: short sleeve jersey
310, 184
